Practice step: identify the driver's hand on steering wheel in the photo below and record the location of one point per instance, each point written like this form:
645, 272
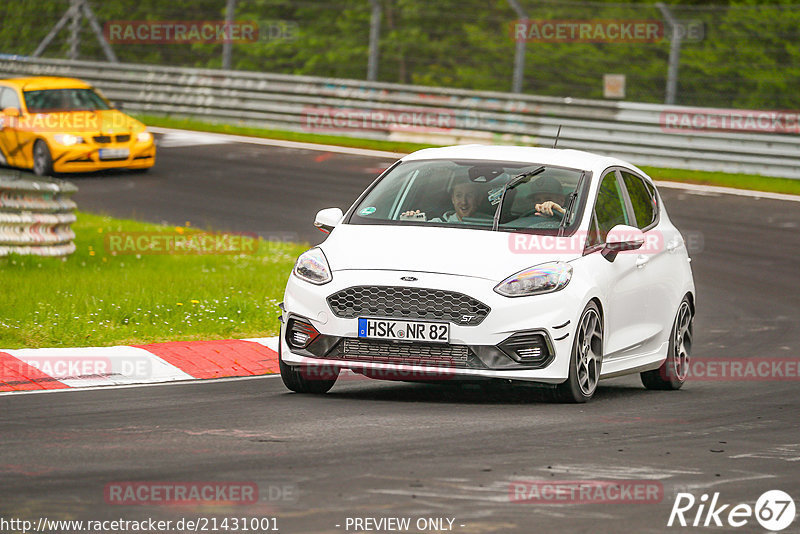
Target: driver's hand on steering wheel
546, 209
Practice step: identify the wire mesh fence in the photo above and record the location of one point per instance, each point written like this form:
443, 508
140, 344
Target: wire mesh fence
740, 54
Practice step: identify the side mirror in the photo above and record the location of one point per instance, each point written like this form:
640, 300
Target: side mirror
11, 112
621, 238
327, 219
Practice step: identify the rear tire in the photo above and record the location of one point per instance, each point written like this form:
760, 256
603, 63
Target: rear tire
42, 159
300, 380
673, 372
585, 360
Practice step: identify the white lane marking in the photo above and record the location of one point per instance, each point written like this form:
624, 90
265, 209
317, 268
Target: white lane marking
789, 452
218, 138
130, 386
706, 189
179, 138
269, 342
602, 471
230, 138
100, 366
690, 488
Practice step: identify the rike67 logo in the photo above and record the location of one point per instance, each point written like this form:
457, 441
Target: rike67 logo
774, 510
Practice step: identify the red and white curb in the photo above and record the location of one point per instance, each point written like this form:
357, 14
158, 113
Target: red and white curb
89, 367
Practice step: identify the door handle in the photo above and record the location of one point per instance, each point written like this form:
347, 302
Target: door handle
641, 261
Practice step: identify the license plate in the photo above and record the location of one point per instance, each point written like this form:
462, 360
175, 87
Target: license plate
114, 153
404, 330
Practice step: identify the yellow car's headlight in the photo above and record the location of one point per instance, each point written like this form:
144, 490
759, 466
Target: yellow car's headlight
68, 139
144, 137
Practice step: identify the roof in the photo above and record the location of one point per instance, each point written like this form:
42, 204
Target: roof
576, 159
34, 83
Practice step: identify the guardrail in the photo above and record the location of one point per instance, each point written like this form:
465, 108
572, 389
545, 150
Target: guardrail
633, 131
35, 215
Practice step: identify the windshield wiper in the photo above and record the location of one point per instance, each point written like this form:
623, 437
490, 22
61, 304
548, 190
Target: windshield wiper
511, 184
570, 204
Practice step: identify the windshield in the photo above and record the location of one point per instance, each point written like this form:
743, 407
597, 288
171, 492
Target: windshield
466, 194
49, 100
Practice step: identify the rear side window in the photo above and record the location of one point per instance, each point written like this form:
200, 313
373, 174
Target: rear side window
642, 199
609, 210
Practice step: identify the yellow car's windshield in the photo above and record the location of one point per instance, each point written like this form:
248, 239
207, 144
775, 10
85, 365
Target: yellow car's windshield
53, 100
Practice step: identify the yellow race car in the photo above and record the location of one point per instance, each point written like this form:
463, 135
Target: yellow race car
51, 124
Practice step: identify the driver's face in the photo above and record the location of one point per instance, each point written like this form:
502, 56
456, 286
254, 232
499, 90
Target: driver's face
465, 200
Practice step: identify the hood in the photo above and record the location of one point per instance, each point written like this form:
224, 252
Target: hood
477, 253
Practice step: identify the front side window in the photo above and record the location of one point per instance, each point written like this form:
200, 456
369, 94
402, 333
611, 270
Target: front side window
642, 200
609, 209
467, 193
53, 100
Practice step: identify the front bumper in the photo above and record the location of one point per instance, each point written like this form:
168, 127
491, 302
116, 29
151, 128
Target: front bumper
85, 157
473, 351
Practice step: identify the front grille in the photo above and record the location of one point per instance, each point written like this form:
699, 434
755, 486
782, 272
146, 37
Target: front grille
123, 138
102, 139
407, 303
425, 354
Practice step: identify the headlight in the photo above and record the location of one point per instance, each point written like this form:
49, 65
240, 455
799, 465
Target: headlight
68, 139
144, 137
544, 278
312, 266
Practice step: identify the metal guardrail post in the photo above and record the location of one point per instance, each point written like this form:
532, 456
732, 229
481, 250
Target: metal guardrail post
674, 54
227, 46
35, 215
519, 52
374, 41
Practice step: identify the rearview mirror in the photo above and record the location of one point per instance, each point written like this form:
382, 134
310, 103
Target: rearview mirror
327, 219
620, 238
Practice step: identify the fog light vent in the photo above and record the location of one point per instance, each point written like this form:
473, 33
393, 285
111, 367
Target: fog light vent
527, 347
300, 334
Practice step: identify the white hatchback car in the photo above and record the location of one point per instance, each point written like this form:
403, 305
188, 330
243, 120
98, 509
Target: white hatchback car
557, 267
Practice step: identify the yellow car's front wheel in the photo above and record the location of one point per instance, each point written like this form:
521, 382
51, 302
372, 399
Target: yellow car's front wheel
42, 159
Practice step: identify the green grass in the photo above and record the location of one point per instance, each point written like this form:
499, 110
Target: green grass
738, 181
94, 298
324, 139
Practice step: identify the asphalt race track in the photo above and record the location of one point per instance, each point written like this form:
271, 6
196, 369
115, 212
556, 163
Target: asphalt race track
378, 449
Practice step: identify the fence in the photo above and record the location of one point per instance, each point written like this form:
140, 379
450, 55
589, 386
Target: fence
737, 53
752, 142
35, 215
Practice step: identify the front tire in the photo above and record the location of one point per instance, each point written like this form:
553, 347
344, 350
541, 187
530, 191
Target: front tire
585, 360
42, 159
300, 380
673, 372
